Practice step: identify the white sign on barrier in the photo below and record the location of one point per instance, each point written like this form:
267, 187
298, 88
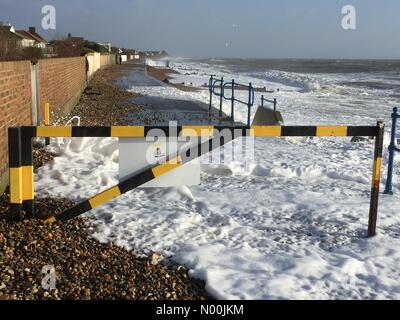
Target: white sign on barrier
137, 154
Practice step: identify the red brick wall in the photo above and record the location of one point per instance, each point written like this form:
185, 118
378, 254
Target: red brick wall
15, 102
60, 79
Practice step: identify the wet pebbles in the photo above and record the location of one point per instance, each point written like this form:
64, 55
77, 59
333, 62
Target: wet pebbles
84, 268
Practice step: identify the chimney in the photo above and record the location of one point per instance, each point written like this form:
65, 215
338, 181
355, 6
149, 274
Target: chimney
32, 29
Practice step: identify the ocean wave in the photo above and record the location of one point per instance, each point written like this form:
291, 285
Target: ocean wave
304, 82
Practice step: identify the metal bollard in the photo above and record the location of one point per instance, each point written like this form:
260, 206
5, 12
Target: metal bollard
392, 150
250, 102
210, 85
221, 97
233, 102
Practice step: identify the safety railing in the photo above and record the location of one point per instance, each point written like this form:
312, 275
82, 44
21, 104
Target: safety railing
231, 86
274, 102
213, 83
392, 150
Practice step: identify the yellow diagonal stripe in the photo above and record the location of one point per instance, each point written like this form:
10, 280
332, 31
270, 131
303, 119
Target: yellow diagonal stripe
27, 183
104, 197
49, 132
197, 131
331, 131
16, 185
266, 131
168, 166
119, 131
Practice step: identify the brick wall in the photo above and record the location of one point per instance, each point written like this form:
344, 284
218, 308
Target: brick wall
60, 80
15, 104
60, 83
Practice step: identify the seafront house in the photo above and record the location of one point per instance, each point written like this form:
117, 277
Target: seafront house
11, 38
13, 42
40, 42
10, 41
68, 47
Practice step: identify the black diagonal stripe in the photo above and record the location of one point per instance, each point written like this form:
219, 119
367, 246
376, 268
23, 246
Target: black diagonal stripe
136, 181
91, 131
362, 131
299, 131
75, 211
203, 148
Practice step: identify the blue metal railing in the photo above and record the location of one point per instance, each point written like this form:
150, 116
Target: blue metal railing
232, 85
211, 87
392, 150
274, 102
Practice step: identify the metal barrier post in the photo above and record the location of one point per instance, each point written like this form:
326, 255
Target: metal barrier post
275, 102
210, 88
249, 104
262, 101
392, 150
376, 180
221, 97
233, 102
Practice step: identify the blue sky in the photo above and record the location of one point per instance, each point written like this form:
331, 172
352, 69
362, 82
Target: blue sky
224, 28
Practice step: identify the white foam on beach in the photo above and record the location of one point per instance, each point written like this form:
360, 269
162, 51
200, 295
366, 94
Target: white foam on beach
289, 224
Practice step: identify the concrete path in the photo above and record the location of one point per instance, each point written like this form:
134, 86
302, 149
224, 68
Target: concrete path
159, 111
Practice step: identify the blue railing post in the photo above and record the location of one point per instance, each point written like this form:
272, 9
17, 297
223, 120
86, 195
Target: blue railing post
221, 97
250, 103
275, 102
392, 150
262, 101
210, 88
233, 101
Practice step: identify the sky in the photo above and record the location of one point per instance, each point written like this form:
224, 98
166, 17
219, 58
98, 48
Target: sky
223, 28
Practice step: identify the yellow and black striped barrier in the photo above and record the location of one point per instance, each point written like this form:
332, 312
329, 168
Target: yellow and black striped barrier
258, 131
21, 168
